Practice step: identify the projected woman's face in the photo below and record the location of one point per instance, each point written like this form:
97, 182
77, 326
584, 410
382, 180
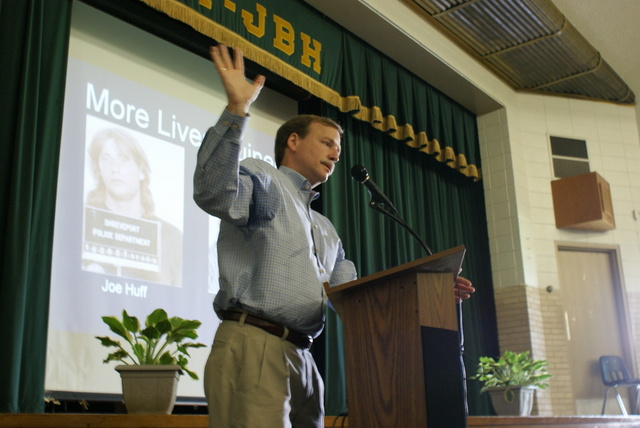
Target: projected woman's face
119, 171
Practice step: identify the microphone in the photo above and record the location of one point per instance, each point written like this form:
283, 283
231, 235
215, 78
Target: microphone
360, 173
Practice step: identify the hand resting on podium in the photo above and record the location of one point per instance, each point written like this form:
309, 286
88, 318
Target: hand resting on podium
463, 288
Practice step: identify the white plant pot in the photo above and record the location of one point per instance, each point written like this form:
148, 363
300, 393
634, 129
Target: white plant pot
149, 389
520, 404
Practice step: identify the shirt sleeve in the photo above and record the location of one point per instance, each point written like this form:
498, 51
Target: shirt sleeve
218, 187
343, 271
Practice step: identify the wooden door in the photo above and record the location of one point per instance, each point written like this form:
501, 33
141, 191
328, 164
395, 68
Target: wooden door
594, 315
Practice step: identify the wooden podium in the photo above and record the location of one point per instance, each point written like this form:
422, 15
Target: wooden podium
402, 346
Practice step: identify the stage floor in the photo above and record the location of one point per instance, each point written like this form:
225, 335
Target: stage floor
68, 420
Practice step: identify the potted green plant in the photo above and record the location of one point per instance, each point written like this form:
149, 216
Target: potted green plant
153, 357
511, 381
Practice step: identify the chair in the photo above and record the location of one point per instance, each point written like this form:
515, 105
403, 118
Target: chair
614, 374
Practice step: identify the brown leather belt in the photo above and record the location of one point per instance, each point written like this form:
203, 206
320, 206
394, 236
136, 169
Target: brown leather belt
299, 339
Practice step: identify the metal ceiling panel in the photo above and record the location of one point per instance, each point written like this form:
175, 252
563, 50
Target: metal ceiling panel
530, 44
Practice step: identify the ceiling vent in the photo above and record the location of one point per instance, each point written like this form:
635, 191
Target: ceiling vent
530, 45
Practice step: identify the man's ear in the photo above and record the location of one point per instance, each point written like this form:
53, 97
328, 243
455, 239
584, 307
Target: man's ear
293, 141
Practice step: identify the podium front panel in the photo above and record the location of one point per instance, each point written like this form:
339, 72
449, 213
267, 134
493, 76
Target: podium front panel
401, 349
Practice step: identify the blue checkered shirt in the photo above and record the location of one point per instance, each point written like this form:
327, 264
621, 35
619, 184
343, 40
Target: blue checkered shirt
274, 251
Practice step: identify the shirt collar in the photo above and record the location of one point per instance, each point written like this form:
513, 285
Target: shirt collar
300, 182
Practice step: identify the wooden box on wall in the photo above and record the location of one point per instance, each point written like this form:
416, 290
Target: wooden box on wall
583, 202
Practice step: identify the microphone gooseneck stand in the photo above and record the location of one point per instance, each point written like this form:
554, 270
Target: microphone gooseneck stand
382, 204
394, 215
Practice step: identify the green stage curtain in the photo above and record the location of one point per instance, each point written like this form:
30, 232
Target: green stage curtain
407, 107
33, 49
445, 208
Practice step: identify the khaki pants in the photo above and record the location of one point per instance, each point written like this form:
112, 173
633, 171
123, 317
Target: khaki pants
254, 379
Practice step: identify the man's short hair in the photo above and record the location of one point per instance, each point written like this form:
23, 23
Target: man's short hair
299, 125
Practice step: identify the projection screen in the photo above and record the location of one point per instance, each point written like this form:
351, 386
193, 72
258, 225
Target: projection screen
156, 101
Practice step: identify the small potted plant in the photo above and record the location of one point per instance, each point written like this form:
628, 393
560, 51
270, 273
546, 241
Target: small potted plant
154, 358
511, 381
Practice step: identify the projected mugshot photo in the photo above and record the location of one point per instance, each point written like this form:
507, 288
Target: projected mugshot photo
124, 234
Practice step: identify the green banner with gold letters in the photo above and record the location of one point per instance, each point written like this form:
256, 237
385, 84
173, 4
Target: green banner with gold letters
291, 30
293, 40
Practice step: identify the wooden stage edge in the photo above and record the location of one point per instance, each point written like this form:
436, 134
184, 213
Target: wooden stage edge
71, 420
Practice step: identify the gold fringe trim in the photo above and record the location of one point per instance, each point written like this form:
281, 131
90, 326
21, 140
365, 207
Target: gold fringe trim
347, 104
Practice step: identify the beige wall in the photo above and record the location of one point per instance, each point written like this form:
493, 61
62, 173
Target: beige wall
517, 172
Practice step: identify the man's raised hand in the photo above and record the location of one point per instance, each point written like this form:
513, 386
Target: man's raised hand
241, 93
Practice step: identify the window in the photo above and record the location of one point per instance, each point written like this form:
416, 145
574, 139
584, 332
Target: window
569, 156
